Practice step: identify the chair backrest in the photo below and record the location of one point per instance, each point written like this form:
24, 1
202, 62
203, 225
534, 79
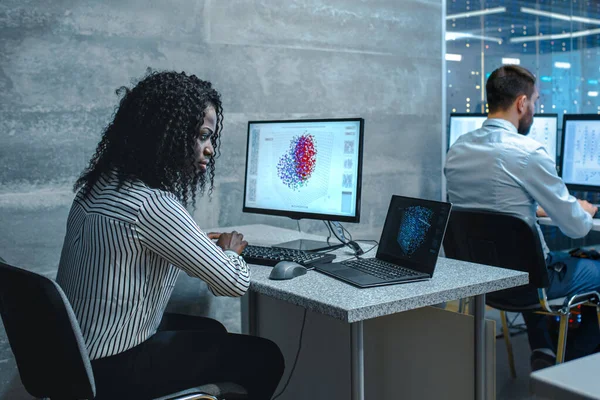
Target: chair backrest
501, 240
44, 336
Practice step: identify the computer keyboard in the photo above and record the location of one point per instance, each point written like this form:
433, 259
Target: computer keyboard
270, 256
379, 268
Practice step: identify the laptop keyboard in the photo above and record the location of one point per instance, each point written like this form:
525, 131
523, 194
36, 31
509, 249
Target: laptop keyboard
270, 256
378, 268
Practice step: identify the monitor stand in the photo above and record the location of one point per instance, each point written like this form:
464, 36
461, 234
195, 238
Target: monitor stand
308, 245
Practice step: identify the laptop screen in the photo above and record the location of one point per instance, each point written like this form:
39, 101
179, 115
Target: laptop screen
413, 233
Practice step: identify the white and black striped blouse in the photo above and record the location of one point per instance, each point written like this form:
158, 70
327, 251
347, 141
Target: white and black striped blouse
122, 253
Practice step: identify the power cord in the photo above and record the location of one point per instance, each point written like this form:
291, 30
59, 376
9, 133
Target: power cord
370, 248
343, 241
340, 233
296, 360
347, 232
328, 230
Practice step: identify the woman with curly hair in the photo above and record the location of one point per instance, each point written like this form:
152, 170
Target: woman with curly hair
128, 236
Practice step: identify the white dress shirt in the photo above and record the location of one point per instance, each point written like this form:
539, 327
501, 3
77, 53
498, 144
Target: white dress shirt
496, 168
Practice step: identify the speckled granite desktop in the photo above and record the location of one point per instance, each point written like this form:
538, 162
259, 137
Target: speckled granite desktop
452, 280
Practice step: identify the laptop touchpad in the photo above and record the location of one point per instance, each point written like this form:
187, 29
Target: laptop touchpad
349, 273
359, 277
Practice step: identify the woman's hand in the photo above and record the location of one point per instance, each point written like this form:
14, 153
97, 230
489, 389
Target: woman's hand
229, 241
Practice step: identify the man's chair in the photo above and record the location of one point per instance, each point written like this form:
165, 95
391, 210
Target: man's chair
512, 242
46, 341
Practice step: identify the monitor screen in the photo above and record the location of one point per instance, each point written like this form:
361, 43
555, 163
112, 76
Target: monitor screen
544, 129
464, 123
580, 167
305, 168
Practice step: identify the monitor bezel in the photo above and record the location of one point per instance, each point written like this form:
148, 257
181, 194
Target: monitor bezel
574, 117
537, 115
307, 215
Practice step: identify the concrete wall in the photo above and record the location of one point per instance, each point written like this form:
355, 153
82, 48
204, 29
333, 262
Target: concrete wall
60, 63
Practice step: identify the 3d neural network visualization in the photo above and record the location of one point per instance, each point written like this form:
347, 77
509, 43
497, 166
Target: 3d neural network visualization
414, 227
296, 166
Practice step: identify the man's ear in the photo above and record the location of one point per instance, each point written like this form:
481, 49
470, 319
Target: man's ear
521, 103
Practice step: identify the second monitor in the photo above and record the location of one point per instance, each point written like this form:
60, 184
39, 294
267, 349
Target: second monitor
544, 129
580, 161
305, 168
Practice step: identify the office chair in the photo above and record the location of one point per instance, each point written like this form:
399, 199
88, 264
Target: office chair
512, 242
48, 346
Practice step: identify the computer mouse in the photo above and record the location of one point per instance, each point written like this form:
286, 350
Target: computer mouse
287, 270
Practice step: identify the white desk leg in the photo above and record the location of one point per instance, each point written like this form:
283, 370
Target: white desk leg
479, 314
358, 361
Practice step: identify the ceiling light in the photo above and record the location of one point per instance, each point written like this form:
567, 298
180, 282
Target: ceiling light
465, 35
514, 61
539, 38
562, 65
487, 11
564, 17
453, 57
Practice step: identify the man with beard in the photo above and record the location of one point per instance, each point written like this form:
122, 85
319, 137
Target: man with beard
499, 168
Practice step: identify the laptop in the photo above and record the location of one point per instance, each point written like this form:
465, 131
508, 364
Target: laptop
408, 248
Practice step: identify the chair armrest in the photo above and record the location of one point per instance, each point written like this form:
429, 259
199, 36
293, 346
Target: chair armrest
188, 396
210, 391
581, 298
543, 298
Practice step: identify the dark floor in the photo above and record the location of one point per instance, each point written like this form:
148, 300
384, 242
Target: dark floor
508, 388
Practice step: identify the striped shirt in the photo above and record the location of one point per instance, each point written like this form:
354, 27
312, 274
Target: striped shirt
122, 253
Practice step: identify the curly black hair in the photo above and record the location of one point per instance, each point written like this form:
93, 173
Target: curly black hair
152, 136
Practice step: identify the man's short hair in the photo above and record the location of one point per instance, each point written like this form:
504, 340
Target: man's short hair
506, 84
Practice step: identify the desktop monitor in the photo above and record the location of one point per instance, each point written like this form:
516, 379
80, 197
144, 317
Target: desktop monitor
544, 129
305, 168
463, 123
580, 161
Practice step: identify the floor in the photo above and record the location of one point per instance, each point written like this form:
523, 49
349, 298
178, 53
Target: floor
508, 388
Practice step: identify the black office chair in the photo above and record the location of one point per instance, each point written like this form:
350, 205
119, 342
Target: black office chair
512, 242
46, 341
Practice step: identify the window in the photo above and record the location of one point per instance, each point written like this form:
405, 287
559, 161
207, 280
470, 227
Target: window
557, 40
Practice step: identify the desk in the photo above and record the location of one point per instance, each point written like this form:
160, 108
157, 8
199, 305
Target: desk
327, 296
548, 221
573, 380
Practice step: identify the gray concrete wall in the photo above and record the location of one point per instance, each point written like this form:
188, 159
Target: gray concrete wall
60, 63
